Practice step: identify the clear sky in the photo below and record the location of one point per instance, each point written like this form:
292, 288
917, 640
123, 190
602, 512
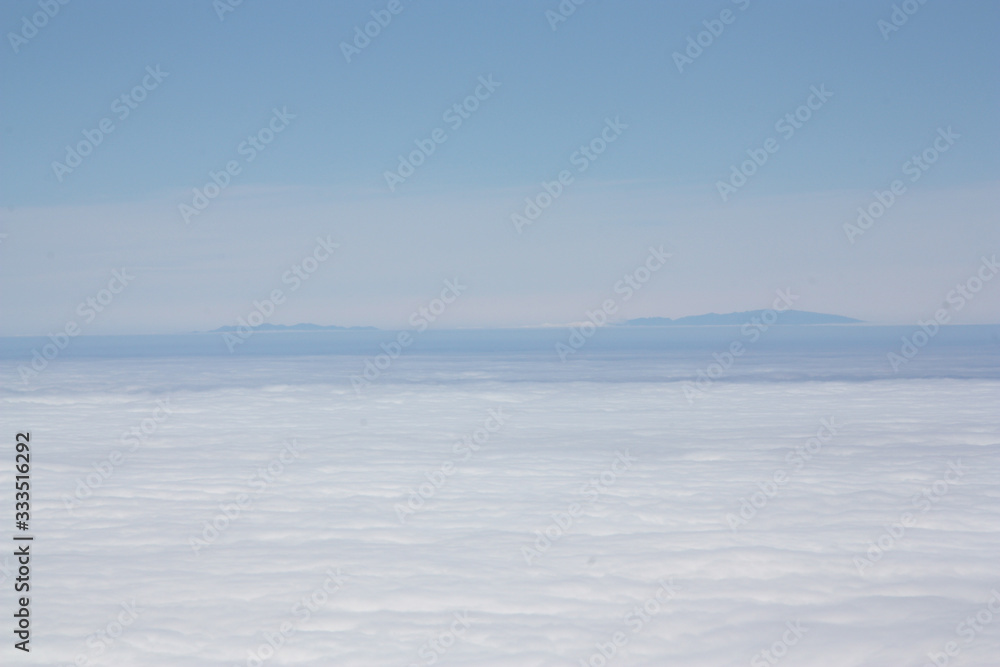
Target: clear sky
161, 94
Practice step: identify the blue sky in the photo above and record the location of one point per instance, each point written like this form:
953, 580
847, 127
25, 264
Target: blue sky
655, 184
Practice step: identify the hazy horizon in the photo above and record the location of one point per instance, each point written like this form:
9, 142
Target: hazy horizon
856, 168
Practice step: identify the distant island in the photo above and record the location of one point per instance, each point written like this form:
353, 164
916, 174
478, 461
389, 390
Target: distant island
786, 317
294, 327
794, 317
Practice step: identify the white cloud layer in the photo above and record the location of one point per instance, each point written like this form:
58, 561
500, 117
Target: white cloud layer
313, 476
